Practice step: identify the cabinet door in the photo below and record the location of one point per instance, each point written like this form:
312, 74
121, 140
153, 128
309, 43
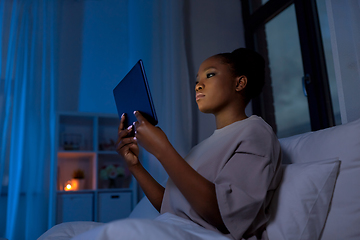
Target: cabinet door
113, 206
76, 207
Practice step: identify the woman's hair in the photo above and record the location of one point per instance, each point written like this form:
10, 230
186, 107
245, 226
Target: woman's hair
251, 64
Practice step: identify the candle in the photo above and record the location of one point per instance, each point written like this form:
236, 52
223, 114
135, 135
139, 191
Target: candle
68, 186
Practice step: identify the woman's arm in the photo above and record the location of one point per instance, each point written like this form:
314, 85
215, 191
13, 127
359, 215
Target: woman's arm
198, 191
152, 189
129, 150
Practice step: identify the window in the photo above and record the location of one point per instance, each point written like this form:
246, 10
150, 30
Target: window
296, 97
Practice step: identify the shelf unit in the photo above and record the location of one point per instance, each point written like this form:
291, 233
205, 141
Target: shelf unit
86, 141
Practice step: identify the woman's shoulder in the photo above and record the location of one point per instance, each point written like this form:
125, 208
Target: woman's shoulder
255, 125
252, 129
258, 122
258, 138
257, 132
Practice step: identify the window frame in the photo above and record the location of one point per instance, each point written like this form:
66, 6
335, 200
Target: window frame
313, 58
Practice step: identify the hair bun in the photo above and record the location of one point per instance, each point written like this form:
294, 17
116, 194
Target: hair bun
248, 55
251, 64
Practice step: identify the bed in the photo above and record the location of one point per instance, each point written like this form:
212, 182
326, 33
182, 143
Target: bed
318, 198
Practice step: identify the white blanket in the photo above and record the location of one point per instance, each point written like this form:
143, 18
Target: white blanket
165, 226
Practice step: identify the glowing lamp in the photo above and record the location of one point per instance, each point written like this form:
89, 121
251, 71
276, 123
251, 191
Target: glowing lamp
68, 186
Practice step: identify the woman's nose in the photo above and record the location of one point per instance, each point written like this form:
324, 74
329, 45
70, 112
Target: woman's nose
198, 87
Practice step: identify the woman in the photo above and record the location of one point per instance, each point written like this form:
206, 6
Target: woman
226, 182
222, 189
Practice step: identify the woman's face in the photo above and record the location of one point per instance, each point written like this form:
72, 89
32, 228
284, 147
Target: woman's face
215, 86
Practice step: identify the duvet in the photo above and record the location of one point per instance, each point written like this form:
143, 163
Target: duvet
165, 226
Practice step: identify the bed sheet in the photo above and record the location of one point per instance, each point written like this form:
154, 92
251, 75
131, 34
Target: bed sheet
166, 226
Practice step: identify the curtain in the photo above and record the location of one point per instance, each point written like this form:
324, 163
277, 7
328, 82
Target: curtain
344, 26
27, 120
156, 34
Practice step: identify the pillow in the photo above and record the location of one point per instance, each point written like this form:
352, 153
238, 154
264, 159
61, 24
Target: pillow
301, 202
144, 209
341, 141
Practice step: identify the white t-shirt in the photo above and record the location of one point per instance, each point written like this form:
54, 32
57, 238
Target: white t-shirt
243, 161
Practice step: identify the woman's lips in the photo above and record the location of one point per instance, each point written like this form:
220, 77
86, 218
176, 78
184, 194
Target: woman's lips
199, 96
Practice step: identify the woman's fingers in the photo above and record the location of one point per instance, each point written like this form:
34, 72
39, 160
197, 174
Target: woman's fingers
139, 116
127, 146
122, 120
129, 150
134, 148
125, 142
141, 121
124, 133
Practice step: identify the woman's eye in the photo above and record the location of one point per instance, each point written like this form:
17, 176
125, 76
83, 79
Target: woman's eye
209, 75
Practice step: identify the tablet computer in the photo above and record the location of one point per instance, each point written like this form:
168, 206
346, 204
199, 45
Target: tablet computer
133, 94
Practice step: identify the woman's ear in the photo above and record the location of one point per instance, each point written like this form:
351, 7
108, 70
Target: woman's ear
241, 83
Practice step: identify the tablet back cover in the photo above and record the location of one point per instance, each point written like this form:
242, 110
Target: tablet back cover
133, 94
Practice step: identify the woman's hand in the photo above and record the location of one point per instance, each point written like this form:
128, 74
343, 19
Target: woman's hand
151, 138
127, 146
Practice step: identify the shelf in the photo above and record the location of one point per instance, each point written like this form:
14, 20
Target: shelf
115, 190
109, 164
68, 162
75, 153
86, 141
107, 133
76, 191
106, 190
76, 132
107, 152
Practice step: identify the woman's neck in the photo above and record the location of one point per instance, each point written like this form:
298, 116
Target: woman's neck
225, 119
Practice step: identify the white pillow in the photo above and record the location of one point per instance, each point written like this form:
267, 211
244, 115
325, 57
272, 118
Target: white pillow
342, 141
301, 202
144, 209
